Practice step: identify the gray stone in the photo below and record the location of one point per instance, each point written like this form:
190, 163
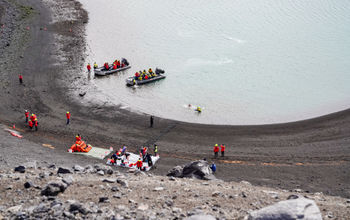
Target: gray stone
78, 168
43, 175
41, 208
169, 202
200, 217
301, 209
54, 188
158, 188
89, 169
20, 169
103, 199
9, 187
14, 209
68, 215
68, 180
77, 207
122, 182
115, 189
172, 178
28, 184
63, 170
216, 194
142, 207
101, 172
117, 196
109, 180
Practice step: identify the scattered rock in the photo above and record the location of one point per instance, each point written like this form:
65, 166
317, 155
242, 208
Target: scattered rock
63, 170
103, 199
142, 207
20, 169
54, 188
300, 208
14, 209
172, 178
28, 184
215, 194
293, 197
200, 217
78, 168
115, 189
76, 206
101, 172
68, 180
122, 182
158, 188
169, 202
117, 196
109, 180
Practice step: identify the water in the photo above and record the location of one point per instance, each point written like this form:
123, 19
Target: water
242, 61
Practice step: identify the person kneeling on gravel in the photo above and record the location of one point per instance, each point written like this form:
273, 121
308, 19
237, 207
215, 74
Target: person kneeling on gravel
213, 167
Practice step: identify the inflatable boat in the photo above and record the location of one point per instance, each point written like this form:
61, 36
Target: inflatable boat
131, 81
102, 71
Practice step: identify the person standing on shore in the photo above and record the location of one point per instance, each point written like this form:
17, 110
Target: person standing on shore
30, 124
36, 124
151, 121
26, 113
68, 117
222, 150
216, 150
88, 67
139, 164
20, 77
213, 167
155, 150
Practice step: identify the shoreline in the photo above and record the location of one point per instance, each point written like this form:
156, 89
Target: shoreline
319, 144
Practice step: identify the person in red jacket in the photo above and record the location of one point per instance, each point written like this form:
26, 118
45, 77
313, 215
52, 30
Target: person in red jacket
36, 124
88, 67
216, 150
68, 117
26, 113
33, 117
222, 150
114, 66
30, 124
139, 164
20, 79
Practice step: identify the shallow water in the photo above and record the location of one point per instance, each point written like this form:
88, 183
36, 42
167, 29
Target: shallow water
242, 61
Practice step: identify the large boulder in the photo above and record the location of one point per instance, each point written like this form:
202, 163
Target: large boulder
54, 188
197, 169
300, 209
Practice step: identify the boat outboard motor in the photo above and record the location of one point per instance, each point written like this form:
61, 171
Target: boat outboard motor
159, 71
125, 62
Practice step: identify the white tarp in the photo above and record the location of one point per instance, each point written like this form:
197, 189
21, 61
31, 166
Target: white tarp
131, 163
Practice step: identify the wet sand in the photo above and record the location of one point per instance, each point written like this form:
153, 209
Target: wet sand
313, 154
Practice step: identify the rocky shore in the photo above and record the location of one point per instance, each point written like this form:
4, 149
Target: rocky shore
34, 191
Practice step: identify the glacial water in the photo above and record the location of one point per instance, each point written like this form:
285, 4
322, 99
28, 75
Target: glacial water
242, 61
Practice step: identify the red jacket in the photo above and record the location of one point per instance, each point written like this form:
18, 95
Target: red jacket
20, 77
89, 67
33, 117
139, 163
36, 123
68, 115
30, 123
222, 148
114, 66
216, 149
27, 114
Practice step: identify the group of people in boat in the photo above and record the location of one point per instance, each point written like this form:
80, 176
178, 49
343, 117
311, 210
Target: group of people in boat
142, 75
106, 66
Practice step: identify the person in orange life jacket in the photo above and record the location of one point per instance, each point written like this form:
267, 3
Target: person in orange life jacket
26, 113
216, 150
20, 77
30, 124
139, 164
88, 67
36, 124
68, 117
222, 150
114, 66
